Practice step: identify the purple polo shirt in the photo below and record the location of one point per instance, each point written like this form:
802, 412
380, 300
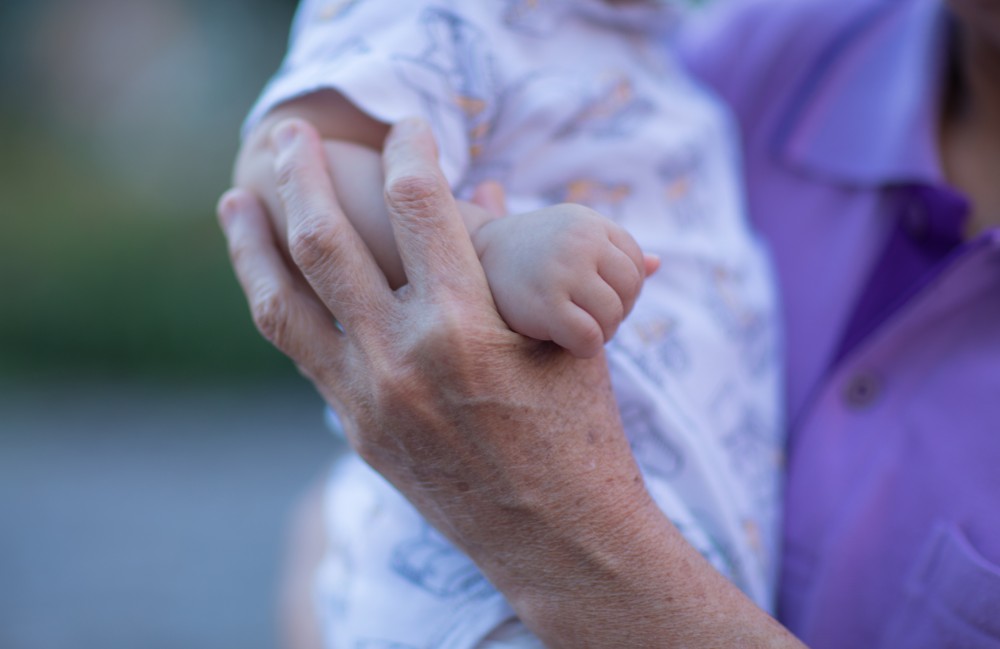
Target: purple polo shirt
892, 530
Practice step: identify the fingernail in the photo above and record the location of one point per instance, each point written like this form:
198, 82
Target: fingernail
284, 134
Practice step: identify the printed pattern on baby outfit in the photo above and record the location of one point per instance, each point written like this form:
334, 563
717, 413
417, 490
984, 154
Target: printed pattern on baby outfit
567, 100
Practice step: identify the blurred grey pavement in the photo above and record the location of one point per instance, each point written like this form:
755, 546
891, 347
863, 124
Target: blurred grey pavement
145, 516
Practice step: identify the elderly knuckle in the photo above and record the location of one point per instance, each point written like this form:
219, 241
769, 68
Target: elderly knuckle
415, 191
311, 243
271, 316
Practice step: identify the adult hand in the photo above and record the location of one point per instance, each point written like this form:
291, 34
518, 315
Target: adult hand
510, 447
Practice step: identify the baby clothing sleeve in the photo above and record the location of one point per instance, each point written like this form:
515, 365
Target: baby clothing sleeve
392, 60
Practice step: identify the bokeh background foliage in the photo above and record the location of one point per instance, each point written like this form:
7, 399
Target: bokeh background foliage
118, 123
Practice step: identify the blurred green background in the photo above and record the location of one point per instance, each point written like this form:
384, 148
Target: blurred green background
118, 125
152, 444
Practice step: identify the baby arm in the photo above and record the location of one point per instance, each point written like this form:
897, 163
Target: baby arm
565, 274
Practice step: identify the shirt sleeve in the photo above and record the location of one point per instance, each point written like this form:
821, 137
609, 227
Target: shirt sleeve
392, 60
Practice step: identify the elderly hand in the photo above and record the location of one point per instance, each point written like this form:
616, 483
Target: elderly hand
435, 391
509, 446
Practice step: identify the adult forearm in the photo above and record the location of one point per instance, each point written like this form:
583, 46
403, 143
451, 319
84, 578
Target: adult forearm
564, 527
641, 586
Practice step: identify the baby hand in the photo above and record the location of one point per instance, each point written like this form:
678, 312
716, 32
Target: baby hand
565, 274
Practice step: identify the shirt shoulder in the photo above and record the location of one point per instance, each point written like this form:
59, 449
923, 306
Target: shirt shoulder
757, 54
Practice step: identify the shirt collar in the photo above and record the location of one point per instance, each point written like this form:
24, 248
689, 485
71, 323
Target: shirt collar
868, 114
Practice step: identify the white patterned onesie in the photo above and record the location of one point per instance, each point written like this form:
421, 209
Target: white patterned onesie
567, 101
